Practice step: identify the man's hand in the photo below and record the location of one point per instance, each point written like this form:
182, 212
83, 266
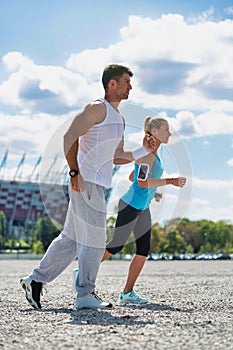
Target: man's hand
158, 196
77, 183
149, 143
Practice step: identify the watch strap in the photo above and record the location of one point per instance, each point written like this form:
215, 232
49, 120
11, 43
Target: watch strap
73, 172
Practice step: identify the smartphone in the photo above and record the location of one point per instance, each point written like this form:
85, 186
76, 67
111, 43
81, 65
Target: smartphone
143, 171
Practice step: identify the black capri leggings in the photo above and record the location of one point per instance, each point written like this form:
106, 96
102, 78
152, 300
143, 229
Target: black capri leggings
130, 219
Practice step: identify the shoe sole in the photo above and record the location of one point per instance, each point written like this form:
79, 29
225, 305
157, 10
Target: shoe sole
133, 302
28, 295
94, 307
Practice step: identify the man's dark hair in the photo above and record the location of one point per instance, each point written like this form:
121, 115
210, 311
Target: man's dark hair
114, 71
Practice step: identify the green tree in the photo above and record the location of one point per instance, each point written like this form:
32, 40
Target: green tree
157, 235
224, 235
129, 247
228, 248
38, 248
46, 230
3, 229
203, 235
110, 226
189, 249
174, 243
189, 230
210, 240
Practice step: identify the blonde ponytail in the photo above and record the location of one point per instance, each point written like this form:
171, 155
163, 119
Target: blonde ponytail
146, 122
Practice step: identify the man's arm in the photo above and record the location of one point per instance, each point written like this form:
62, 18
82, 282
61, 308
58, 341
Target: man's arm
125, 157
92, 114
121, 156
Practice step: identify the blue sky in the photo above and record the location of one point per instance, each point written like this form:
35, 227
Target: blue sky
51, 58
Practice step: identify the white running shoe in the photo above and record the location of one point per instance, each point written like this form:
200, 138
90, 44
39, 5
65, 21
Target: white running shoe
91, 301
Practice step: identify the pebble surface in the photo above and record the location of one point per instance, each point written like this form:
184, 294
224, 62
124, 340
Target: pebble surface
190, 307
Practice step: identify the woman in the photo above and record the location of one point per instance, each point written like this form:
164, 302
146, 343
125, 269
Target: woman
134, 213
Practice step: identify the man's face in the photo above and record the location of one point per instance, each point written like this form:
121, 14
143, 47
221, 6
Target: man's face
123, 87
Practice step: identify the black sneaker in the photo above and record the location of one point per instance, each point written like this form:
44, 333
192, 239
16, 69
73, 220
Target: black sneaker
33, 291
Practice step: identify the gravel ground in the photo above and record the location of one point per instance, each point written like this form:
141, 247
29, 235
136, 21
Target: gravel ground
191, 307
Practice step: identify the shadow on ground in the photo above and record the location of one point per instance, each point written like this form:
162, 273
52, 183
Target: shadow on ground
105, 317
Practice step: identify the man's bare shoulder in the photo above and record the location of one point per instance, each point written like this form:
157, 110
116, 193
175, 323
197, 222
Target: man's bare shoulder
96, 105
96, 108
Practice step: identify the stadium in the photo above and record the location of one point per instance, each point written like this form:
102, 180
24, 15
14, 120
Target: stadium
23, 199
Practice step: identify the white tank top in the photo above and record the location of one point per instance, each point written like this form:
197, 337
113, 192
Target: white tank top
97, 147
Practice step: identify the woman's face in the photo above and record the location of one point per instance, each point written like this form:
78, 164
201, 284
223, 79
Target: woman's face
163, 133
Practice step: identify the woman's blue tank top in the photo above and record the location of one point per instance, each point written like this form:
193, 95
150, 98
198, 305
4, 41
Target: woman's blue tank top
138, 197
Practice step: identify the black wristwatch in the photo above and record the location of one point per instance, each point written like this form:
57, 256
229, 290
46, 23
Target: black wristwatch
73, 173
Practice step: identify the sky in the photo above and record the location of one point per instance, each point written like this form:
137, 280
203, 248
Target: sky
52, 54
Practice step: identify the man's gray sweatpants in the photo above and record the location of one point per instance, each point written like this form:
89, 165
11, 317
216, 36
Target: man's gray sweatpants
83, 236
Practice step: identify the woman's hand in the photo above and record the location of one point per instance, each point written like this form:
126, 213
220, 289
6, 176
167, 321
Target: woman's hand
179, 181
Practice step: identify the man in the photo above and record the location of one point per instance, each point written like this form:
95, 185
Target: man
94, 140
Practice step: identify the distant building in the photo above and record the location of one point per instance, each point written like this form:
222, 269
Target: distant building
24, 201
27, 201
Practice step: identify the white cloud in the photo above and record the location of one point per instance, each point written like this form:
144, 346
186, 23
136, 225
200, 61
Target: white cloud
206, 15
200, 201
208, 123
206, 143
33, 87
212, 185
209, 212
211, 200
15, 60
230, 162
83, 62
202, 51
214, 122
31, 133
191, 71
229, 10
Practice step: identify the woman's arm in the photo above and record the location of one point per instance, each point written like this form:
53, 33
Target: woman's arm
153, 182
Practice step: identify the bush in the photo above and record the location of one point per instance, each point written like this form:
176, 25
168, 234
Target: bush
38, 248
